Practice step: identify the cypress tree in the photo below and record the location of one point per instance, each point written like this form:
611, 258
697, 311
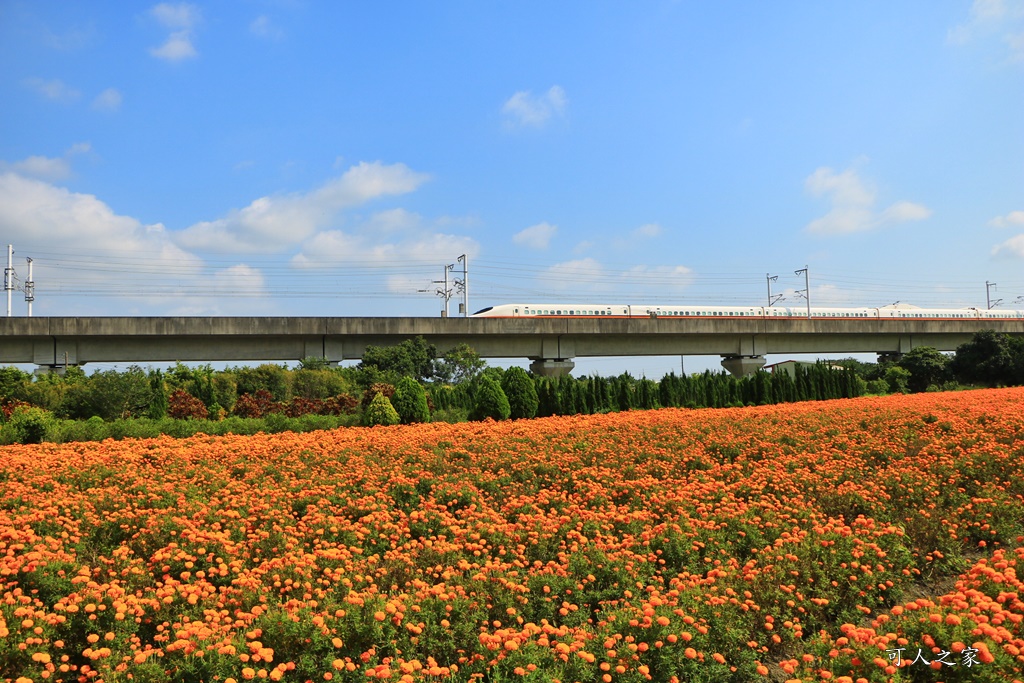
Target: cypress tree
665, 396
522, 394
380, 412
158, 402
606, 394
624, 395
491, 401
579, 397
545, 397
410, 401
762, 388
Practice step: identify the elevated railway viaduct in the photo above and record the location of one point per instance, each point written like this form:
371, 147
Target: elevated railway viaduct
552, 344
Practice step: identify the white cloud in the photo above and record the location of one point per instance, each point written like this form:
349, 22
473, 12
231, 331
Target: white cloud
392, 221
263, 27
177, 47
54, 90
37, 215
1011, 248
578, 275
271, 223
901, 212
587, 276
657, 278
536, 236
647, 230
1010, 219
422, 245
181, 16
853, 202
182, 19
524, 109
990, 18
135, 263
585, 245
46, 168
108, 100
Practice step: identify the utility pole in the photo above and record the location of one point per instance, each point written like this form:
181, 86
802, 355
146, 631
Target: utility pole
777, 297
807, 288
445, 293
463, 285
30, 288
989, 286
9, 277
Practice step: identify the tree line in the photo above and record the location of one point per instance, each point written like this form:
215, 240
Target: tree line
411, 382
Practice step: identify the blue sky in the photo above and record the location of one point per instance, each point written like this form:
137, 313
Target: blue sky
319, 158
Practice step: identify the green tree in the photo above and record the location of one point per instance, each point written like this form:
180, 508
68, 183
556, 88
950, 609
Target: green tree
898, 379
624, 392
490, 401
157, 395
380, 412
225, 391
926, 366
547, 397
990, 358
864, 370
202, 385
458, 365
314, 363
412, 358
521, 393
28, 425
410, 401
318, 383
12, 382
269, 377
647, 394
877, 386
109, 394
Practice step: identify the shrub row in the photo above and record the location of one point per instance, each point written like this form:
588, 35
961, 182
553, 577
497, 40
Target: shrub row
35, 425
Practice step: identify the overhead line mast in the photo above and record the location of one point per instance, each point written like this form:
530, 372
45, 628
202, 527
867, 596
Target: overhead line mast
464, 285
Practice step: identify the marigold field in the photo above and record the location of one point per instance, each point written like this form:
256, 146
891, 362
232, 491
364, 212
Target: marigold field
790, 542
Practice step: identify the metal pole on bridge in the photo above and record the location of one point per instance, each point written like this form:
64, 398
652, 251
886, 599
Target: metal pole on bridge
9, 277
30, 288
807, 287
465, 285
989, 286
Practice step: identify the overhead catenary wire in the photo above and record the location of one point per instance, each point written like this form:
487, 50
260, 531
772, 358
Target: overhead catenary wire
156, 276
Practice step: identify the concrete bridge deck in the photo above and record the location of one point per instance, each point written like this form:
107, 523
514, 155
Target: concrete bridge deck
551, 343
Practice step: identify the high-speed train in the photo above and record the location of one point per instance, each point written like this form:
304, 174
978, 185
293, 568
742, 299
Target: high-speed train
739, 312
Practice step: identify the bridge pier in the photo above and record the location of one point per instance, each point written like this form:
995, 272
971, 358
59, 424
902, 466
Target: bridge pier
552, 367
740, 366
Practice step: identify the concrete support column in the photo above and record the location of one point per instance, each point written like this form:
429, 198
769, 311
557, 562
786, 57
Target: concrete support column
551, 367
740, 366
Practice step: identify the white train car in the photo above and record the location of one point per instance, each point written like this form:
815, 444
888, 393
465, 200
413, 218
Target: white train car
696, 311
